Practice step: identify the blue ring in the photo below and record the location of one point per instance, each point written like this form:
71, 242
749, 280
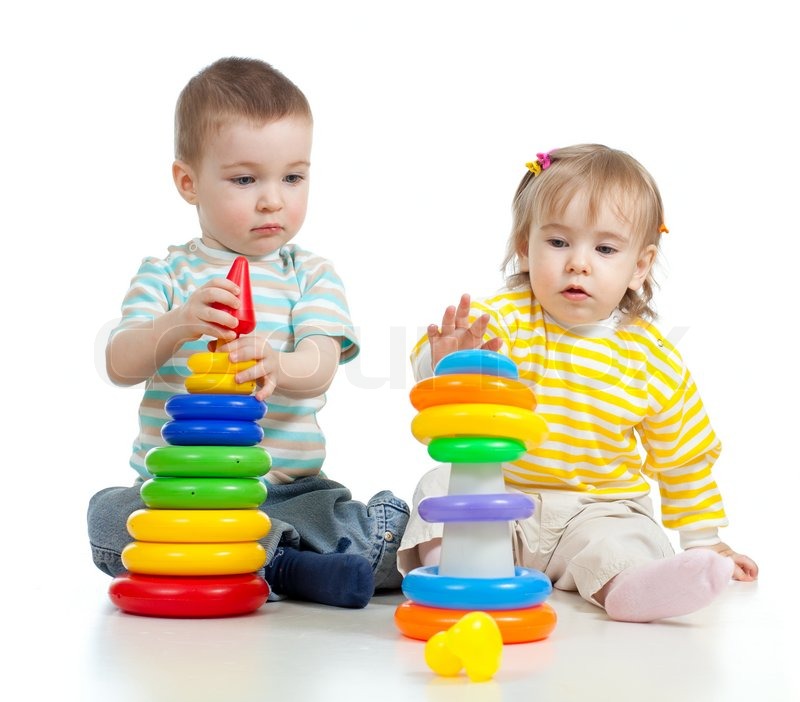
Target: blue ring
211, 432
501, 507
527, 588
238, 408
477, 361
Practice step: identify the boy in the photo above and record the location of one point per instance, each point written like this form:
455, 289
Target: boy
243, 136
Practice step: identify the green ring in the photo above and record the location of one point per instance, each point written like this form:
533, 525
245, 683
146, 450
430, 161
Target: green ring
475, 449
208, 461
203, 493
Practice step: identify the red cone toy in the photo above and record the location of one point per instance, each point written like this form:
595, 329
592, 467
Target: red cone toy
246, 314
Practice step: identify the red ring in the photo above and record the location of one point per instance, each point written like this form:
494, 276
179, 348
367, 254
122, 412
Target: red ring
187, 597
516, 625
471, 388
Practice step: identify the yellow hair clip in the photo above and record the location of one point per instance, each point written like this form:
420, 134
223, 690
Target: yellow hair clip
534, 167
663, 229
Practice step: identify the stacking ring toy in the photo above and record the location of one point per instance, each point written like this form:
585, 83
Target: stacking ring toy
215, 432
526, 588
217, 384
477, 361
475, 449
239, 408
193, 559
202, 596
198, 525
479, 420
216, 362
208, 461
458, 389
203, 493
516, 625
476, 508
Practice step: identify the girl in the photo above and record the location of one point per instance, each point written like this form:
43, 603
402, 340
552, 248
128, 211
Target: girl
576, 318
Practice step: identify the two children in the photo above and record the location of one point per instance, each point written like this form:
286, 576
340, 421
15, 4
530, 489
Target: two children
575, 317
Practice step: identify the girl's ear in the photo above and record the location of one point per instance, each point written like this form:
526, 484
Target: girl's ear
185, 181
522, 255
644, 264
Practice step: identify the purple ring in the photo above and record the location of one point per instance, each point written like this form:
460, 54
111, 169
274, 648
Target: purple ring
476, 508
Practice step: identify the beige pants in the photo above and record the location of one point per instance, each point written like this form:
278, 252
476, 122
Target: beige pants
580, 542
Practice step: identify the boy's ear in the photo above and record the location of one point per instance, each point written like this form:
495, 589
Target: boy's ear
185, 181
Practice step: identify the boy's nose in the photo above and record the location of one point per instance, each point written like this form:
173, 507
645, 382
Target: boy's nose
269, 200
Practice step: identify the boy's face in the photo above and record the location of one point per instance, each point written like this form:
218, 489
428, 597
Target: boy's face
251, 185
580, 269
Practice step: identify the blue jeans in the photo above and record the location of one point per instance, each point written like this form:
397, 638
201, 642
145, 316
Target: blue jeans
310, 514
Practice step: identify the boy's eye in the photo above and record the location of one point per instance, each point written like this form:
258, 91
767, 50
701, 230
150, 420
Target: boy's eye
243, 180
293, 178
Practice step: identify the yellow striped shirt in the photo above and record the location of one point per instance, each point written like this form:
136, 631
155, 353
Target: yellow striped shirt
620, 406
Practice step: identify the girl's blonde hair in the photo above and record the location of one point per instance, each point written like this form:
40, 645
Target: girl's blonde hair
232, 88
606, 175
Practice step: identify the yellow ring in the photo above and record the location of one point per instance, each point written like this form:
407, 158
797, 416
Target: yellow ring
193, 559
501, 421
198, 525
215, 362
218, 384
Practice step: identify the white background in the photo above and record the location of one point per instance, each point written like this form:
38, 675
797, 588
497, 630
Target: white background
425, 115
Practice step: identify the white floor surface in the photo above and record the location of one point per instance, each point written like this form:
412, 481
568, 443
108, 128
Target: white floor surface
70, 643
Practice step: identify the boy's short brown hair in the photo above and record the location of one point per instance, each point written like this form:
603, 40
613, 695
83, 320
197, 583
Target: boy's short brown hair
232, 88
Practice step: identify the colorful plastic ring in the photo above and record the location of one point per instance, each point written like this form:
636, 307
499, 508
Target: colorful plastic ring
203, 493
217, 384
479, 420
457, 389
193, 559
188, 597
216, 362
239, 408
516, 625
526, 588
476, 508
208, 461
198, 525
211, 432
478, 361
475, 449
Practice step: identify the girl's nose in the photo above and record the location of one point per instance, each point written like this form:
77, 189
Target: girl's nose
578, 261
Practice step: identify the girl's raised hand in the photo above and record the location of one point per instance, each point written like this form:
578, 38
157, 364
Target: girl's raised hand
457, 334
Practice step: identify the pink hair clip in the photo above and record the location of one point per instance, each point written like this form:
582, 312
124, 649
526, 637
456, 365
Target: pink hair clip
544, 160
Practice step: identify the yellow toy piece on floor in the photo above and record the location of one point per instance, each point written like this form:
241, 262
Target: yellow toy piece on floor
473, 643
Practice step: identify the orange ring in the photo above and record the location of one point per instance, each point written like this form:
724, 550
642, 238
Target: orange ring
472, 388
417, 621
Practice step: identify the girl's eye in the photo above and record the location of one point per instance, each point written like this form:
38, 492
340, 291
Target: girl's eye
606, 250
557, 243
243, 180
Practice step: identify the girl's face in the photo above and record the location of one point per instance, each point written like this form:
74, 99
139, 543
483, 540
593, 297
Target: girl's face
580, 267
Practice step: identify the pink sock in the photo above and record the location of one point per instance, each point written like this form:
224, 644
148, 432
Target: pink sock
668, 588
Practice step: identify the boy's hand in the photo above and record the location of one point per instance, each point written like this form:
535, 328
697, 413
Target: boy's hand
264, 372
199, 316
457, 334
